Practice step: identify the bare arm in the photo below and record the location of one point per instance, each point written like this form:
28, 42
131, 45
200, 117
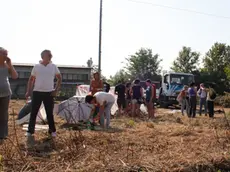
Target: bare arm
13, 72
115, 90
91, 85
142, 93
152, 93
11, 69
101, 88
126, 91
30, 85
131, 91
59, 81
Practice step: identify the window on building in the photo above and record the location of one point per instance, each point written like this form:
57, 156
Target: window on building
64, 76
21, 74
70, 76
75, 76
27, 74
85, 77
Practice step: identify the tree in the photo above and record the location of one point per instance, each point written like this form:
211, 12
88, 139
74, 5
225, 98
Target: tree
120, 76
143, 64
227, 72
187, 61
217, 58
216, 64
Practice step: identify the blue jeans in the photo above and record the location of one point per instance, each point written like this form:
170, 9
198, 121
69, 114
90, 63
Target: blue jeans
203, 102
106, 114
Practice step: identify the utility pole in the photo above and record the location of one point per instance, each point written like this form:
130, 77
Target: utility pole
100, 33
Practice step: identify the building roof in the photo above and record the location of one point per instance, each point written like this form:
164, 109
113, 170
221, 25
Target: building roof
61, 66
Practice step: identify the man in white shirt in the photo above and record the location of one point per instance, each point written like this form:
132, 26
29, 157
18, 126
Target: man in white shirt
202, 93
105, 101
42, 78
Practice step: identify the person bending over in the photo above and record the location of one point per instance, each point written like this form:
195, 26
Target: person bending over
105, 102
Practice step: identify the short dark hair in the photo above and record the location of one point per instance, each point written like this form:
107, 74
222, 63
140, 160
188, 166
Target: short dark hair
89, 98
192, 84
45, 51
211, 85
149, 81
137, 81
128, 84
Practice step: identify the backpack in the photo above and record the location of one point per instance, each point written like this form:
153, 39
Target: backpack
212, 94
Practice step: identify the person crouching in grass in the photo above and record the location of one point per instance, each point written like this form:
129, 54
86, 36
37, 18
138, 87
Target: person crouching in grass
105, 102
42, 76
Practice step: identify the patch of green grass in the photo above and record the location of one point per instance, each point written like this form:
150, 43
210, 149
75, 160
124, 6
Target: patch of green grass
130, 124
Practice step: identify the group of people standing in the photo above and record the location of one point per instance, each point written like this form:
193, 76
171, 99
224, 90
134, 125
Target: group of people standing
189, 96
131, 96
41, 88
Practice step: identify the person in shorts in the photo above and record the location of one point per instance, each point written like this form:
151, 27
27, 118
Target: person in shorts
120, 92
136, 92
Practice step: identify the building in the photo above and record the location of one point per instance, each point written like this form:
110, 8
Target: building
71, 77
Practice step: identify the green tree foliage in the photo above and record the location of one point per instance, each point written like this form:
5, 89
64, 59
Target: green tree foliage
217, 58
187, 61
227, 71
216, 65
120, 76
143, 64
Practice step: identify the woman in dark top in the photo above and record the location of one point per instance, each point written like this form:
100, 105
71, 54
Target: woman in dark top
6, 69
136, 92
192, 100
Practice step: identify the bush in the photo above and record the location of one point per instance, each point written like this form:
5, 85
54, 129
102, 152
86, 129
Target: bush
223, 100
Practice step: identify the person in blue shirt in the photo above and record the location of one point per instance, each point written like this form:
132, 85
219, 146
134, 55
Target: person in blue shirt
192, 100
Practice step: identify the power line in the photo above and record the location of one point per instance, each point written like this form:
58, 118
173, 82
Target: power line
179, 9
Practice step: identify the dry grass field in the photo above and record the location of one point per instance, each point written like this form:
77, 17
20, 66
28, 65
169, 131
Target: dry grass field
170, 142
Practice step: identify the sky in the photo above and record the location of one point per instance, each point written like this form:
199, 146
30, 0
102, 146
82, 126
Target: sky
70, 29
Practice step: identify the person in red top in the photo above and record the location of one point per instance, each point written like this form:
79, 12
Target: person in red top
182, 99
